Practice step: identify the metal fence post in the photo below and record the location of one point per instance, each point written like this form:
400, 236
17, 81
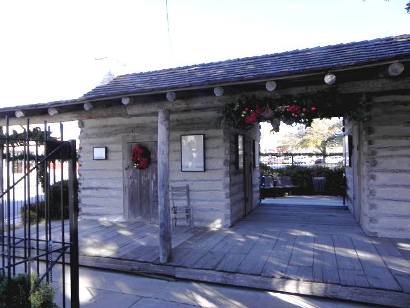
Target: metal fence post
73, 214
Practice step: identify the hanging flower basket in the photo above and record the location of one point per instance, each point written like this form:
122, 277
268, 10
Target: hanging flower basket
141, 157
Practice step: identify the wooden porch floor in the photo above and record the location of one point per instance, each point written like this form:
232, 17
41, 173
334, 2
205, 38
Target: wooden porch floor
298, 249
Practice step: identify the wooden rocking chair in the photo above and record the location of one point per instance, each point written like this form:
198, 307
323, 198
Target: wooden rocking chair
180, 204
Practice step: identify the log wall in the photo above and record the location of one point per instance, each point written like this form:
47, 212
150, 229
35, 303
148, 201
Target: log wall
236, 181
385, 169
353, 170
101, 182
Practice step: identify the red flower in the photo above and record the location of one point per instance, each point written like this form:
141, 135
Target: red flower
251, 118
313, 109
293, 109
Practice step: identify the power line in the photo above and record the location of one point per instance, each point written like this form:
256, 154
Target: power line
168, 28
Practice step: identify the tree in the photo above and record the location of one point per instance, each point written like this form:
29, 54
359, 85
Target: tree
288, 137
322, 135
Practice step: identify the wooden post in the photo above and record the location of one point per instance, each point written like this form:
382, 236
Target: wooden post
165, 240
2, 185
73, 214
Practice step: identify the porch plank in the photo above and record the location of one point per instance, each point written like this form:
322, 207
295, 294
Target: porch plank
278, 261
211, 240
346, 255
398, 265
231, 262
352, 277
210, 260
299, 272
376, 272
187, 257
324, 260
256, 258
302, 254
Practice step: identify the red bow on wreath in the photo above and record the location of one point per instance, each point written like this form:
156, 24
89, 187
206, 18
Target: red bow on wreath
141, 157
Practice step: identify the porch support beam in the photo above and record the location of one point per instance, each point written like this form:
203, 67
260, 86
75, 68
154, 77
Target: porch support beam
165, 240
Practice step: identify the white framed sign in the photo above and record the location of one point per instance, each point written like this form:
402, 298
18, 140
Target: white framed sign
100, 153
193, 153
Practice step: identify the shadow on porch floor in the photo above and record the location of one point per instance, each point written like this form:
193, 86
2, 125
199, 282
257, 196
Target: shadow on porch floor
307, 249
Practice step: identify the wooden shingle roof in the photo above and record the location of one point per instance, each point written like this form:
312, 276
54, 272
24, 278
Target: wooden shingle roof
257, 68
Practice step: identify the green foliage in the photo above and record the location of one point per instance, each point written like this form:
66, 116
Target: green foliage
17, 139
55, 204
321, 135
23, 291
290, 109
302, 177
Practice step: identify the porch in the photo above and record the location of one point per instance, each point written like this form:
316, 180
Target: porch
311, 250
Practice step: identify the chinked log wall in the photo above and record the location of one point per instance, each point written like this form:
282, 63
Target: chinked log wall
101, 182
236, 177
386, 168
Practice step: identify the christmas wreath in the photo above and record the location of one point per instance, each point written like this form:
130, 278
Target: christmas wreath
141, 156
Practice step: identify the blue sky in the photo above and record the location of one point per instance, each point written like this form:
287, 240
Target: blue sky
53, 50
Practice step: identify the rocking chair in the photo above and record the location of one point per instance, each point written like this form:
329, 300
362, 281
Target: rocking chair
180, 204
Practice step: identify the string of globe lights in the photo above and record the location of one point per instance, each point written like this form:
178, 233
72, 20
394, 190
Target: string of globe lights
394, 69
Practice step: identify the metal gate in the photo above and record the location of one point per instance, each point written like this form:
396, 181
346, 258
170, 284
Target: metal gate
39, 208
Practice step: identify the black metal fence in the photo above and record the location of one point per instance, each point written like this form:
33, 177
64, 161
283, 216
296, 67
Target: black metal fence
282, 160
38, 186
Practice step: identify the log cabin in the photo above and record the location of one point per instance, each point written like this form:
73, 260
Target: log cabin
156, 110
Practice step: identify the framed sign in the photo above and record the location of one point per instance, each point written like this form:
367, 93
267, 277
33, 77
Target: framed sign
99, 153
193, 153
239, 152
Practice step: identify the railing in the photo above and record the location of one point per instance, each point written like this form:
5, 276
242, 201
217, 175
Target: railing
30, 242
282, 160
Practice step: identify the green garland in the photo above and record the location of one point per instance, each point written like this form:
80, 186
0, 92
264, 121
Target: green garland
18, 139
303, 109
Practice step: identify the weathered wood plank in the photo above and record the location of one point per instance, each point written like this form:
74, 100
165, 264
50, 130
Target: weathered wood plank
352, 277
372, 296
256, 258
324, 262
315, 257
345, 253
299, 272
210, 260
302, 254
278, 261
349, 267
187, 256
231, 262
375, 269
397, 264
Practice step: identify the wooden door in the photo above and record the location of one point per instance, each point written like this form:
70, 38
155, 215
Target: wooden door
248, 172
142, 187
